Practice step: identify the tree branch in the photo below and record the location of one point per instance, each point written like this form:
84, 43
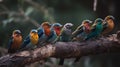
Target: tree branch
63, 50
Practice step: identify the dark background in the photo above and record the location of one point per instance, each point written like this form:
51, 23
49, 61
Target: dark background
28, 14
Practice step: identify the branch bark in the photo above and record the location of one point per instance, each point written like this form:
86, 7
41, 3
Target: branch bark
63, 50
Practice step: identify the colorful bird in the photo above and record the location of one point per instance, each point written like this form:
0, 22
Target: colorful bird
82, 31
31, 40
34, 38
15, 41
96, 30
65, 36
55, 32
108, 24
43, 31
66, 32
45, 28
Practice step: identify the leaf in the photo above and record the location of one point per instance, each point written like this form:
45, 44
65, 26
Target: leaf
29, 10
7, 21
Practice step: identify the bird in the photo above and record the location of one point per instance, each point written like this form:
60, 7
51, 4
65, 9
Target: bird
82, 31
15, 41
34, 38
65, 36
108, 24
46, 31
43, 30
96, 29
51, 33
55, 32
66, 32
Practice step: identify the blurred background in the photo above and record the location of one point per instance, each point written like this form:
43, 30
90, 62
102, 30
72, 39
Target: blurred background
29, 14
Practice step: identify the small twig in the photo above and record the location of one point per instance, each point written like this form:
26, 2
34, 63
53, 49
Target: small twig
95, 5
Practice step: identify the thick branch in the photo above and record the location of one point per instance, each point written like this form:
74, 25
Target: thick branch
62, 50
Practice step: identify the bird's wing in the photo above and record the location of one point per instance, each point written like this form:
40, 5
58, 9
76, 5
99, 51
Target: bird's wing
105, 25
51, 35
77, 31
10, 42
58, 37
93, 27
40, 32
26, 41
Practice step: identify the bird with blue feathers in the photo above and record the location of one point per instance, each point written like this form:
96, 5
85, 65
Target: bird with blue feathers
15, 41
34, 38
46, 31
55, 32
96, 29
65, 36
66, 32
43, 32
82, 31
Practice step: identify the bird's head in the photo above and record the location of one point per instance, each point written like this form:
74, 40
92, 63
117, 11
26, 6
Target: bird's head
109, 17
87, 24
16, 33
68, 25
57, 28
33, 32
46, 25
98, 21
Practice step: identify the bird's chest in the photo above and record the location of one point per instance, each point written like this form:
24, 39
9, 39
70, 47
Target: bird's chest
47, 32
99, 28
17, 41
57, 32
54, 36
87, 30
110, 25
66, 34
34, 39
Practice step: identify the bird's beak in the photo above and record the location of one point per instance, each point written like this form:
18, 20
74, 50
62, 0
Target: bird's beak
81, 25
104, 22
94, 25
61, 26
